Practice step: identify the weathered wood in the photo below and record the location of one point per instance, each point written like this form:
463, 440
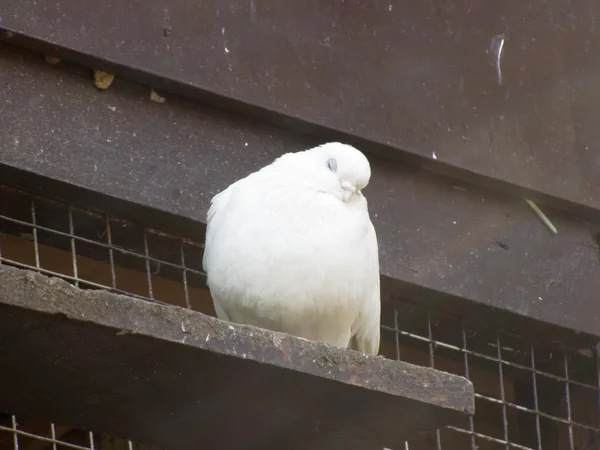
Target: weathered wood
176, 378
497, 94
161, 163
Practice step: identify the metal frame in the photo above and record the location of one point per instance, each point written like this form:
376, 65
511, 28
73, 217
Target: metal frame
471, 357
73, 239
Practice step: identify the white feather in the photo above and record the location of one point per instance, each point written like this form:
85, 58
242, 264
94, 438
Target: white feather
284, 251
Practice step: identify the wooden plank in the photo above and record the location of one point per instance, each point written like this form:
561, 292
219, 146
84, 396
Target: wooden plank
161, 163
423, 80
168, 376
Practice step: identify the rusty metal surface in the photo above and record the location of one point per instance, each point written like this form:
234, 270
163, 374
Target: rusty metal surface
161, 163
168, 376
490, 91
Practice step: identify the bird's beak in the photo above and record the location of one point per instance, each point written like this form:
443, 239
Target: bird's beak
348, 191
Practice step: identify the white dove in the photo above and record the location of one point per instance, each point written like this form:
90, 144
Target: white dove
291, 248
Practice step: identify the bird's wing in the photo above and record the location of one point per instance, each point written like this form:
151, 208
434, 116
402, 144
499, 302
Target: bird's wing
219, 202
366, 338
217, 205
366, 330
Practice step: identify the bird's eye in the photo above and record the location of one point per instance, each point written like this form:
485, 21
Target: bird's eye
332, 164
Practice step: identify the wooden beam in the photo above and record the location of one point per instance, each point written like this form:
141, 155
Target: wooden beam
442, 242
168, 376
483, 91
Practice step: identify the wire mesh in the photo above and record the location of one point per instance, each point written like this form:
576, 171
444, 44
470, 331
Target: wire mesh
36, 435
95, 251
529, 396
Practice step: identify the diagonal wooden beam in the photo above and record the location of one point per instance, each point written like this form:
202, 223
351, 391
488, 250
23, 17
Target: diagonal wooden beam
482, 91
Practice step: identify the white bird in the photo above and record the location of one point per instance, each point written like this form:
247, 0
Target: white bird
291, 248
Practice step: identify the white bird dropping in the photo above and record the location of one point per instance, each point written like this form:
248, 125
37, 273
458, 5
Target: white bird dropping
291, 248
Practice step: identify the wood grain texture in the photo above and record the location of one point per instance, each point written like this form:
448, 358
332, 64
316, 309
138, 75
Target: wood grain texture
409, 80
95, 360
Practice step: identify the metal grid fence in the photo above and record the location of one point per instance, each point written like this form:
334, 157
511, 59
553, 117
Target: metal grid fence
35, 435
528, 396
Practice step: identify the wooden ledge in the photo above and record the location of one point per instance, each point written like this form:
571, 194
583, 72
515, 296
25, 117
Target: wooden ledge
168, 376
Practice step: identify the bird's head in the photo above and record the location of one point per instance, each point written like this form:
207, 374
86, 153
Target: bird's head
340, 169
332, 168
